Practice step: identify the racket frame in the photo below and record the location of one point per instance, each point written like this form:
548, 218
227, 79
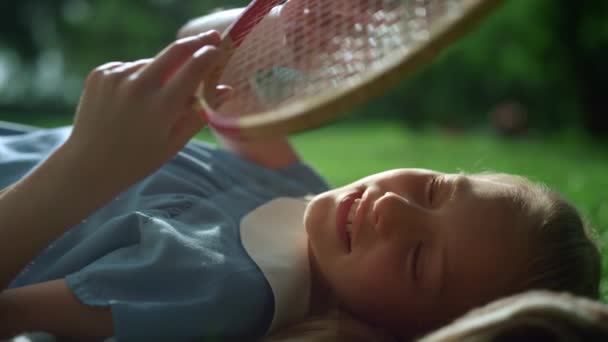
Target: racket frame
330, 104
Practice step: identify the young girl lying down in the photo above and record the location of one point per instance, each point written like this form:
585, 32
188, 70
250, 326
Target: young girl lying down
121, 226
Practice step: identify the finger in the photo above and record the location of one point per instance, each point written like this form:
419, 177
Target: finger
223, 93
183, 130
172, 57
186, 80
108, 66
197, 107
131, 67
97, 74
190, 124
109, 76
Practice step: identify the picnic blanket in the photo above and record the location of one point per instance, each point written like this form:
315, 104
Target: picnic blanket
541, 316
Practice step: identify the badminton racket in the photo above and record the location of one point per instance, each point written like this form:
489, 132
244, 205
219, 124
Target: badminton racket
297, 64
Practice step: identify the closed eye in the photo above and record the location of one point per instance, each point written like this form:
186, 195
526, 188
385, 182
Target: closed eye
414, 261
430, 192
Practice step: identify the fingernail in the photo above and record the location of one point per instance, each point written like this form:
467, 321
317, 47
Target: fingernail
211, 34
205, 49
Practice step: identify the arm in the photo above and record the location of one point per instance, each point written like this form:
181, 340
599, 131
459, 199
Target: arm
132, 118
53, 308
63, 181
5, 190
272, 152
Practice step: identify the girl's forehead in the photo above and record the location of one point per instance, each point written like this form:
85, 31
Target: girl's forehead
491, 188
405, 172
497, 182
485, 213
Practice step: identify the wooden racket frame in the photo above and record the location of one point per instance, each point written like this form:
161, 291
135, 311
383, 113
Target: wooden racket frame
328, 105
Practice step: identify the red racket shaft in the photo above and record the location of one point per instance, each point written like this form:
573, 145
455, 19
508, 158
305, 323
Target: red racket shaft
231, 40
251, 16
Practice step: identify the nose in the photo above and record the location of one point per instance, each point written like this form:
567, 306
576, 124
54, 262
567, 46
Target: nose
395, 213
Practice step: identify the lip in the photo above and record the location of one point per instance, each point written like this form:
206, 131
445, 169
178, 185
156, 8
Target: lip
342, 216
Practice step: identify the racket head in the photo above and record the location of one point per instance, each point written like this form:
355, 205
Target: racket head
302, 64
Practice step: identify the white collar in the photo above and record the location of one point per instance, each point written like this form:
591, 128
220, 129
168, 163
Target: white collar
275, 238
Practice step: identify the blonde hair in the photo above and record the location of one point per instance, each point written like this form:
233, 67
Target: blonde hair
336, 325
566, 258
567, 255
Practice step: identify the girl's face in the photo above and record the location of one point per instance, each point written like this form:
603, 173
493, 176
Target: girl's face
409, 249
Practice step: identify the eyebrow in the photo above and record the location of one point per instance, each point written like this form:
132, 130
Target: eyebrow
459, 181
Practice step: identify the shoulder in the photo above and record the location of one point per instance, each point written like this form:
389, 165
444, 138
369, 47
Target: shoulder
289, 176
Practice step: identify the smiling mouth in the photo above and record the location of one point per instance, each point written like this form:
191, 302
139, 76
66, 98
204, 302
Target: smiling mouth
345, 216
351, 216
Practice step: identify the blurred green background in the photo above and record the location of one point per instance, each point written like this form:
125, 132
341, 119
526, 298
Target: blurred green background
524, 93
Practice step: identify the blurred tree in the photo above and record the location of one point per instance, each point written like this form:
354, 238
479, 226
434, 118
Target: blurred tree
15, 32
545, 55
48, 46
584, 31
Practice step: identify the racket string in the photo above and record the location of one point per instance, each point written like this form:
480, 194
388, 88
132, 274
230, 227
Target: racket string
306, 48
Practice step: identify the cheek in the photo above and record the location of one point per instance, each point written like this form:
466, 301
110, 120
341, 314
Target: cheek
369, 280
318, 225
317, 213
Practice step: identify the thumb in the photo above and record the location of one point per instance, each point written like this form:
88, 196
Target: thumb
222, 93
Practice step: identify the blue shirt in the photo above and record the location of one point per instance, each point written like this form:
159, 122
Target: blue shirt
165, 254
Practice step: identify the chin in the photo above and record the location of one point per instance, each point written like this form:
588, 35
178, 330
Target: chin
317, 213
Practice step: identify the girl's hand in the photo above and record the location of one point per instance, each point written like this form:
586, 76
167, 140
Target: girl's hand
133, 117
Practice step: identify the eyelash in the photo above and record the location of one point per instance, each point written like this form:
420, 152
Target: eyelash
415, 257
431, 190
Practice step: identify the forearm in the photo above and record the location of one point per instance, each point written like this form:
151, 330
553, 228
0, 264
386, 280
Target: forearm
271, 152
54, 308
5, 190
131, 119
40, 207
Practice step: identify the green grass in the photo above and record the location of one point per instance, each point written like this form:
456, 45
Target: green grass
570, 164
348, 150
